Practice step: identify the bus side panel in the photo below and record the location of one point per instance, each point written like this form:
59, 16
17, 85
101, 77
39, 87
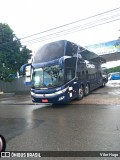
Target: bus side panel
90, 73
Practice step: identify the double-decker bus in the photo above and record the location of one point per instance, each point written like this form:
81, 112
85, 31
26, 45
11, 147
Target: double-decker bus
62, 71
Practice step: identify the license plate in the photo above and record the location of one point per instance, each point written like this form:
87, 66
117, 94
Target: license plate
44, 100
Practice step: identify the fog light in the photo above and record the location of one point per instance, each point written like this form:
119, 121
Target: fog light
61, 98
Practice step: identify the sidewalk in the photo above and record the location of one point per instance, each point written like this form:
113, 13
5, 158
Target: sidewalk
113, 83
16, 99
5, 95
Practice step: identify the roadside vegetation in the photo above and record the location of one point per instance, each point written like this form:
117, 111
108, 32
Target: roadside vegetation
114, 69
12, 53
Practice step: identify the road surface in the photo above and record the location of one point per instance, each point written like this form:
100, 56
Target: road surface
92, 124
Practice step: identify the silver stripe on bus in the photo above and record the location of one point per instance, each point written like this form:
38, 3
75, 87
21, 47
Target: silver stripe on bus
48, 95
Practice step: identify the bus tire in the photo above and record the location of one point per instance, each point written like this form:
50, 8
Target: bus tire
103, 83
80, 93
87, 90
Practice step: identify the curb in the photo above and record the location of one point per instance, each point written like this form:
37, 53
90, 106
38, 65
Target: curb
5, 95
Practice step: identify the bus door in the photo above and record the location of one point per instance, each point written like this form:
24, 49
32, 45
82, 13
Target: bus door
72, 83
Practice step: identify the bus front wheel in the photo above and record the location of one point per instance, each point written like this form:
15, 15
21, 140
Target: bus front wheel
80, 93
103, 83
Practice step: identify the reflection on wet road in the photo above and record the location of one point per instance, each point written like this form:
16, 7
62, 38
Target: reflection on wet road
16, 126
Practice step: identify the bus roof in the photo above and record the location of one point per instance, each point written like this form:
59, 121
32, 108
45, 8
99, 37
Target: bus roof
62, 48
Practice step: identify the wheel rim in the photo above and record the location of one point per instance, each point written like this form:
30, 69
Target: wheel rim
81, 92
87, 89
103, 83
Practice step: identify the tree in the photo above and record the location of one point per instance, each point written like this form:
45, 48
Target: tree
114, 69
12, 53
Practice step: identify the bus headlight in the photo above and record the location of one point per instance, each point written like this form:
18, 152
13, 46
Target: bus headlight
61, 98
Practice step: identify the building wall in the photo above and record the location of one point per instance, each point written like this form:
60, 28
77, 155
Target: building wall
16, 86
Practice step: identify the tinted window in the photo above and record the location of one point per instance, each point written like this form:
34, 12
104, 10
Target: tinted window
49, 52
71, 49
69, 74
50, 76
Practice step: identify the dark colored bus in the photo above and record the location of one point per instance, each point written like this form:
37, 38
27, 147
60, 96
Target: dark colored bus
62, 71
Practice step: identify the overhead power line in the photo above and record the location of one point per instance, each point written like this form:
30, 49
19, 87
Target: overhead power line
75, 29
69, 31
61, 26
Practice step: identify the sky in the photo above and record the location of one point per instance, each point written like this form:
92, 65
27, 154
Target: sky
28, 17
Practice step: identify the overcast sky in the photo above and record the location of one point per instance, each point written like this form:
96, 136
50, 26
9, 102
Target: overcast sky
27, 17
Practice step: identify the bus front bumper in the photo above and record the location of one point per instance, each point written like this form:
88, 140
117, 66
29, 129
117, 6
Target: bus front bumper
56, 97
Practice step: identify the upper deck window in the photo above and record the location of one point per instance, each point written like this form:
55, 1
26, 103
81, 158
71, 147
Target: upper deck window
49, 52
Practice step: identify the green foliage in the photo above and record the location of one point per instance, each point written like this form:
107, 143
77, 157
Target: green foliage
115, 69
12, 53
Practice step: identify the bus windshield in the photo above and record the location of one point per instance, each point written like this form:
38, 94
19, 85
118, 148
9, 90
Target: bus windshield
48, 77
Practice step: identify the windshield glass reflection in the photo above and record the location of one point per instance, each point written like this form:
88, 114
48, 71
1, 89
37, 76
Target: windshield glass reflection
50, 76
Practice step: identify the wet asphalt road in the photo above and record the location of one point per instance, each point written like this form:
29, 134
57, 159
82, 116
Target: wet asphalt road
78, 126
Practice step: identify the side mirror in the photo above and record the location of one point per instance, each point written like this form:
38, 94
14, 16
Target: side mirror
23, 69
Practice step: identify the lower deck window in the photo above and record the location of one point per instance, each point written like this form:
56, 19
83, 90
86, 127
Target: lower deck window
69, 74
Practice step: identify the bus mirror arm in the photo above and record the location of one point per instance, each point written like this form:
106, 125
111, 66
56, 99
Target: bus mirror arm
22, 69
76, 78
